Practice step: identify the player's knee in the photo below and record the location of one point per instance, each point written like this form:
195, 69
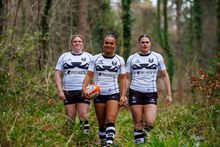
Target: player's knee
71, 115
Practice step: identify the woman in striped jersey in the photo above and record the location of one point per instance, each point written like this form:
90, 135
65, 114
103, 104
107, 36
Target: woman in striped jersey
141, 71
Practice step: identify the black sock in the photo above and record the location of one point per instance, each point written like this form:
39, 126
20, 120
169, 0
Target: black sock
110, 133
148, 128
102, 136
138, 136
85, 125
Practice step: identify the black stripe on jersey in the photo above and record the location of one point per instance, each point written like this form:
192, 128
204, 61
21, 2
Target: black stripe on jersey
76, 64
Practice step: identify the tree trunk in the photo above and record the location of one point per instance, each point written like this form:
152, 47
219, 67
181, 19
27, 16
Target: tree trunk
218, 38
179, 64
1, 17
159, 32
166, 43
82, 26
126, 19
198, 22
44, 37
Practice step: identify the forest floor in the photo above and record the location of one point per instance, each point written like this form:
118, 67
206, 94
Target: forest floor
41, 122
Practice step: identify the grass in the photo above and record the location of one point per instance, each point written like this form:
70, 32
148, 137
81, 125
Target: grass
42, 123
32, 115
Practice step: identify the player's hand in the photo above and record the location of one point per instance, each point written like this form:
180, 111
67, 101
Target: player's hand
123, 101
169, 99
61, 95
84, 94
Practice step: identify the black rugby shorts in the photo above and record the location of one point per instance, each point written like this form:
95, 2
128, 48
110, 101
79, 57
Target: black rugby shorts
139, 98
105, 98
74, 97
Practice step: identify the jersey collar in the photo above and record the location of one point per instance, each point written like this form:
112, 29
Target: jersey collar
108, 57
76, 54
144, 54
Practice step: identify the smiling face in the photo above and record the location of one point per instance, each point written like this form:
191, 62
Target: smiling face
77, 44
109, 46
145, 45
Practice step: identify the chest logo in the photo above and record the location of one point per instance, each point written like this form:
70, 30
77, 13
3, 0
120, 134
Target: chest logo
114, 63
83, 58
151, 60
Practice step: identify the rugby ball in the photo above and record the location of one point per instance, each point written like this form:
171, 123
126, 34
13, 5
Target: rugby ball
92, 91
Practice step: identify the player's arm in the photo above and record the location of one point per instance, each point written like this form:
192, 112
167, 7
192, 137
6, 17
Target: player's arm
166, 81
123, 89
87, 80
122, 78
128, 80
58, 81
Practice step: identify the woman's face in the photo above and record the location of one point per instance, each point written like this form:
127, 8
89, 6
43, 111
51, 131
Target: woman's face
77, 44
145, 45
109, 45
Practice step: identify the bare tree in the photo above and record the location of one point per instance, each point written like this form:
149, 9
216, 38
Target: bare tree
83, 25
45, 29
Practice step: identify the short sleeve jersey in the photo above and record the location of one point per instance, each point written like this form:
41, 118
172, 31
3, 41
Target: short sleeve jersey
106, 71
74, 68
144, 69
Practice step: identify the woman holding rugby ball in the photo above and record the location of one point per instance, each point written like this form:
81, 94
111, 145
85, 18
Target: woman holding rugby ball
107, 68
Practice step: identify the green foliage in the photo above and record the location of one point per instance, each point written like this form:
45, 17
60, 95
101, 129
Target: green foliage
32, 115
40, 121
103, 20
4, 79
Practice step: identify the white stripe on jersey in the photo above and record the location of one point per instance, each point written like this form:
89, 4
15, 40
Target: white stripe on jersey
106, 71
144, 69
74, 68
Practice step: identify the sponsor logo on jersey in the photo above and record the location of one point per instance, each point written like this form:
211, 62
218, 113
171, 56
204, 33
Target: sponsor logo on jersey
75, 72
107, 74
144, 72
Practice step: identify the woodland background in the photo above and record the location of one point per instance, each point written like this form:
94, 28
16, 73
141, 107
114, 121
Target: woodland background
34, 33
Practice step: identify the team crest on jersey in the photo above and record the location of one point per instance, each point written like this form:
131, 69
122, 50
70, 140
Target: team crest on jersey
83, 58
151, 60
114, 63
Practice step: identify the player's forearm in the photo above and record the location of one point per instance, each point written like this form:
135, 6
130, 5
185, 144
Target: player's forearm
58, 81
123, 84
128, 80
167, 85
87, 79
